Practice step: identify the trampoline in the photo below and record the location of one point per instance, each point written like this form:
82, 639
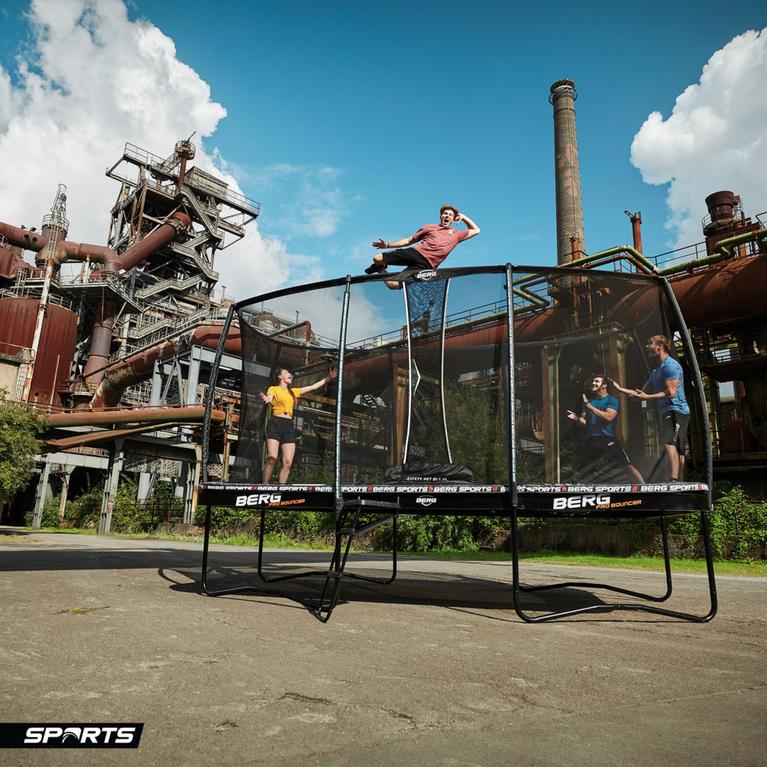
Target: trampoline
451, 398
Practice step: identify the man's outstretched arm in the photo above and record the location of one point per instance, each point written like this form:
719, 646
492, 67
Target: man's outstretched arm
403, 243
473, 228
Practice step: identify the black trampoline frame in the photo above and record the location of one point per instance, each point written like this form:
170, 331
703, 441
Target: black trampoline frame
352, 511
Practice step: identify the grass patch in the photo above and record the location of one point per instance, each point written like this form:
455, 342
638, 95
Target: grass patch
755, 569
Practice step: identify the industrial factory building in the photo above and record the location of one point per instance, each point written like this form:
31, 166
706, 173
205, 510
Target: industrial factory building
114, 342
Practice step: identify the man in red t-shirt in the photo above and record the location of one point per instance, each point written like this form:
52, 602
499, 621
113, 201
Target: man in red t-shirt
434, 243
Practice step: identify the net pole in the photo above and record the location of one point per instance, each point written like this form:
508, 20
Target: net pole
442, 372
700, 400
337, 489
409, 374
512, 424
211, 389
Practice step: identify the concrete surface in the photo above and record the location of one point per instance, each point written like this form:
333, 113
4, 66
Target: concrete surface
435, 669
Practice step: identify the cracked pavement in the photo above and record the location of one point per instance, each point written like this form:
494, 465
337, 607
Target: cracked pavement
435, 669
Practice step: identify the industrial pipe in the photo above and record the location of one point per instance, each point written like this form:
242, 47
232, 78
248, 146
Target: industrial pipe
101, 340
137, 415
114, 263
614, 251
636, 228
139, 366
23, 238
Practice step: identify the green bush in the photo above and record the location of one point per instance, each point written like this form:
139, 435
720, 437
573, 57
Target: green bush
304, 525
738, 527
50, 513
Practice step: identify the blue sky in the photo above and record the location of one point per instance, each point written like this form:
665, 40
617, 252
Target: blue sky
378, 113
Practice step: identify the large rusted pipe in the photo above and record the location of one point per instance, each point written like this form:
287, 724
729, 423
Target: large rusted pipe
101, 340
730, 291
108, 435
137, 415
112, 262
139, 366
23, 238
566, 170
82, 251
144, 248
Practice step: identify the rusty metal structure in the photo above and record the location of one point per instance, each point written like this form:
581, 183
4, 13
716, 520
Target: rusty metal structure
115, 342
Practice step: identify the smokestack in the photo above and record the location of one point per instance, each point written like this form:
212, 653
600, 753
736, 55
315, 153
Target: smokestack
567, 173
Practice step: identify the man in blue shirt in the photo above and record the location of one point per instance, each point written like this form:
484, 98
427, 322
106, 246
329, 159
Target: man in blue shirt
666, 387
598, 415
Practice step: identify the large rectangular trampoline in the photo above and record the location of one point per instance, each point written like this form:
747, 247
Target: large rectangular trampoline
465, 391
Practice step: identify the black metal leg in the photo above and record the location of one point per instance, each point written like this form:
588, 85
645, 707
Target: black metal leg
517, 588
249, 587
275, 578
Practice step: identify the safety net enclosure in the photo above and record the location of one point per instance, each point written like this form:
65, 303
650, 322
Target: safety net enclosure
495, 391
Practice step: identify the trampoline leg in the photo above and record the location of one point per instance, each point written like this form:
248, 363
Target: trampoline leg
605, 607
205, 546
249, 587
274, 578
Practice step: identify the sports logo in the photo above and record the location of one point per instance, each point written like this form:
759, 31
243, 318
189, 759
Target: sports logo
426, 275
426, 500
116, 735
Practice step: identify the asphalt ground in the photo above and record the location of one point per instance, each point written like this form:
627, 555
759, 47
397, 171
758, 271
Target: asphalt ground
435, 669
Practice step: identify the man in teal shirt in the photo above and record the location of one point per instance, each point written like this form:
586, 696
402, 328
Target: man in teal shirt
598, 415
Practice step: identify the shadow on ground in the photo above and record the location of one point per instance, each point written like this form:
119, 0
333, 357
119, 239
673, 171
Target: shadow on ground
238, 570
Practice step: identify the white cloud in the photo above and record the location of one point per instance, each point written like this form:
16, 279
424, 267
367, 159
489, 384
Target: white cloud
90, 80
714, 138
317, 202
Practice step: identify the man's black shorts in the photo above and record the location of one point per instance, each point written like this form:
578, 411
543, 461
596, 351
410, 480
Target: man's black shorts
675, 429
281, 429
607, 447
406, 257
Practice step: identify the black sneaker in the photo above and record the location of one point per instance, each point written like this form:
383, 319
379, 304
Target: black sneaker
375, 268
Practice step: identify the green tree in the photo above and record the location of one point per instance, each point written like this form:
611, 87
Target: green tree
20, 426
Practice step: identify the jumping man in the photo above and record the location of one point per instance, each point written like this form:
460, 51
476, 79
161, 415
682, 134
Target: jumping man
434, 243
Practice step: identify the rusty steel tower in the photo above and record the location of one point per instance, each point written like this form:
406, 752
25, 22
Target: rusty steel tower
570, 237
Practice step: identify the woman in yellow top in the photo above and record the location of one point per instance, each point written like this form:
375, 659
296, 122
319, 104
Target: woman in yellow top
280, 431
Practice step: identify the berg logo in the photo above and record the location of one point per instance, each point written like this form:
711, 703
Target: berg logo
426, 274
258, 499
426, 500
581, 502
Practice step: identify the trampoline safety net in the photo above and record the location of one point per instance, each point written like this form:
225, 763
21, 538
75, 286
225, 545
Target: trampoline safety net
426, 382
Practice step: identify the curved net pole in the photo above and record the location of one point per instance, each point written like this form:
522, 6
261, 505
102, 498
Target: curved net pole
442, 372
337, 489
700, 402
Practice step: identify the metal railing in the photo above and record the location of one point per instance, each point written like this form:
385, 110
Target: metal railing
160, 164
